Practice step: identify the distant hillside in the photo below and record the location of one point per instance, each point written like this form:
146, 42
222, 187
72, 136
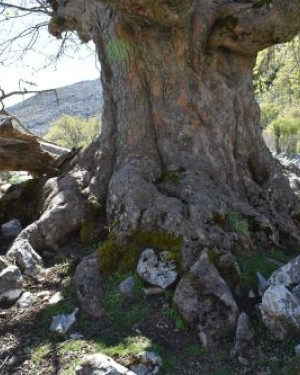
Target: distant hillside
82, 99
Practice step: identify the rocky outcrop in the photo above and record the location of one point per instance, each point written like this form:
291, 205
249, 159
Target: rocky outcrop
89, 284
206, 302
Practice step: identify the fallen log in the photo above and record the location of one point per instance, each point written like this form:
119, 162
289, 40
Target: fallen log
26, 152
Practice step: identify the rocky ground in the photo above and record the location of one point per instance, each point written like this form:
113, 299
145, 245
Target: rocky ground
28, 347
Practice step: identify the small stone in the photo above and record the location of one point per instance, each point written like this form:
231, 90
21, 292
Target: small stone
26, 258
127, 287
154, 271
76, 336
62, 322
25, 300
244, 335
12, 228
297, 350
56, 298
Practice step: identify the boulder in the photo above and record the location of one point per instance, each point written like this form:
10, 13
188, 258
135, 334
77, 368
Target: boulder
280, 306
10, 284
243, 336
156, 271
89, 285
22, 253
281, 311
205, 301
12, 228
288, 275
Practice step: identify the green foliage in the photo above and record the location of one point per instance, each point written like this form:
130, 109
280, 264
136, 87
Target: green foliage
236, 223
86, 233
277, 81
287, 132
116, 257
280, 256
174, 315
252, 262
122, 313
123, 257
69, 131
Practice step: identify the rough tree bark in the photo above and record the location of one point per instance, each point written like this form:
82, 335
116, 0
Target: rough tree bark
181, 143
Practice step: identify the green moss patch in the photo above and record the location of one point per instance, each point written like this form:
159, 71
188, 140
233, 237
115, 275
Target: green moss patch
116, 257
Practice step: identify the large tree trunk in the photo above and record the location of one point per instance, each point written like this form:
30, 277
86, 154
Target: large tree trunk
181, 144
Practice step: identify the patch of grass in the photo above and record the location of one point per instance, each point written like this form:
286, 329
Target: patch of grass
177, 319
195, 349
129, 345
279, 255
252, 262
236, 223
46, 316
223, 371
38, 353
71, 346
122, 312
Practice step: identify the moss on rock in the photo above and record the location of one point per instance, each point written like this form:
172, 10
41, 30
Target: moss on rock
115, 256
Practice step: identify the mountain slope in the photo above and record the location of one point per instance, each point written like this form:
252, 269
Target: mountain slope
82, 99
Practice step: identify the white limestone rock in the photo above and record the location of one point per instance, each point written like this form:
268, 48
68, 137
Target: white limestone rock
281, 311
10, 284
28, 260
155, 271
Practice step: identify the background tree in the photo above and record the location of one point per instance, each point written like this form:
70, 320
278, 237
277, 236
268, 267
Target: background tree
277, 82
286, 132
69, 131
181, 144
